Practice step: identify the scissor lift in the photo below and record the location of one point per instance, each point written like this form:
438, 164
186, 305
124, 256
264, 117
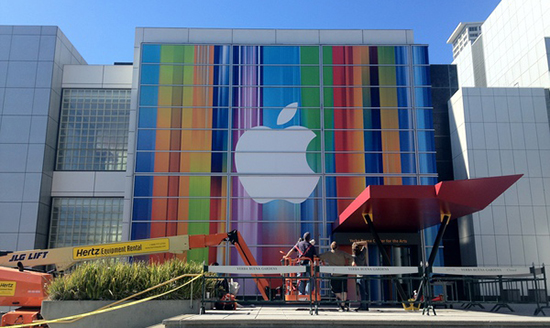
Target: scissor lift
292, 280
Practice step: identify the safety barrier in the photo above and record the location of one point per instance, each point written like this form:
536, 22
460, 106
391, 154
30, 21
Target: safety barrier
496, 286
442, 287
380, 279
276, 276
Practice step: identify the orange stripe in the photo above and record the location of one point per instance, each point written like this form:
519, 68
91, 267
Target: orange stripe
389, 119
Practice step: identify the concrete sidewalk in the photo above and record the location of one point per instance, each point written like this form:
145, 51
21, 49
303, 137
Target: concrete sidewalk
296, 316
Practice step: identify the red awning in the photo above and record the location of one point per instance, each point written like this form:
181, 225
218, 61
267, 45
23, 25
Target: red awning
413, 208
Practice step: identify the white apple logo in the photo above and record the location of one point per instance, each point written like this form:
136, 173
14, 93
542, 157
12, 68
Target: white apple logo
262, 151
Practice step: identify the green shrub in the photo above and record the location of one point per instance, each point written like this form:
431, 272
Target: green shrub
116, 280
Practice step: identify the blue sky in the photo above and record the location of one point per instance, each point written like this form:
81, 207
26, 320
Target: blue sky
103, 31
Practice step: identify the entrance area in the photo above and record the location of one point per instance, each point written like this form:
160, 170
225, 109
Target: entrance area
403, 249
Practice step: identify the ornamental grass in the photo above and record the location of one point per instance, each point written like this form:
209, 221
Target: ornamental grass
116, 280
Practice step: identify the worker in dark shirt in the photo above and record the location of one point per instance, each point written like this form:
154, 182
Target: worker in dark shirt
361, 258
305, 250
336, 257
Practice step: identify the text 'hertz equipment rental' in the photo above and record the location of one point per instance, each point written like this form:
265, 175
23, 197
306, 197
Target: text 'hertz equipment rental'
121, 249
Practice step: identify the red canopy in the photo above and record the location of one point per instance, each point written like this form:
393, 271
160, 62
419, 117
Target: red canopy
412, 208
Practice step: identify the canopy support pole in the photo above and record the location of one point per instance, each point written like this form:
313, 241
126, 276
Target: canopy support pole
444, 223
445, 219
385, 257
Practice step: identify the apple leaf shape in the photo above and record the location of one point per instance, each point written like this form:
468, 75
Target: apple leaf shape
287, 113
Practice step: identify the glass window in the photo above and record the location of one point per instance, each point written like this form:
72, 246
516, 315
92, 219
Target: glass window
426, 141
420, 55
93, 132
367, 97
150, 53
277, 55
150, 74
423, 97
422, 75
182, 140
177, 74
148, 96
427, 163
377, 140
167, 186
275, 162
202, 207
286, 75
265, 116
424, 118
85, 221
275, 97
181, 161
365, 55
375, 162
366, 75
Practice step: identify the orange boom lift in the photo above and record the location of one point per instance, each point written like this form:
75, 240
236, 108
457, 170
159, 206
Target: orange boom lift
26, 288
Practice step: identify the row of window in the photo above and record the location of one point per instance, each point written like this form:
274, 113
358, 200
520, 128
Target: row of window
285, 75
93, 130
281, 55
167, 96
84, 221
214, 187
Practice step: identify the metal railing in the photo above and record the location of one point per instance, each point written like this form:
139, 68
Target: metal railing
475, 286
442, 287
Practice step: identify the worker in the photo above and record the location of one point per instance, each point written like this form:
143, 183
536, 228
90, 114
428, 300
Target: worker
293, 249
306, 251
339, 287
360, 258
222, 284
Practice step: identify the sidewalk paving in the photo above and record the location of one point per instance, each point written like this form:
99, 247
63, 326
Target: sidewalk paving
298, 316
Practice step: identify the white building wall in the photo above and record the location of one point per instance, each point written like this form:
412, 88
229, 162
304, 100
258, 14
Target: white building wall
31, 68
271, 36
502, 131
465, 67
515, 49
97, 77
88, 184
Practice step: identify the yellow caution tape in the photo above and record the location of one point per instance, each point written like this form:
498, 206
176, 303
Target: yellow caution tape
61, 320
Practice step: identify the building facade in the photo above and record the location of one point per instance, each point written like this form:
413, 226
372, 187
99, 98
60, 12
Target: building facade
501, 131
464, 34
272, 132
499, 125
32, 60
90, 164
